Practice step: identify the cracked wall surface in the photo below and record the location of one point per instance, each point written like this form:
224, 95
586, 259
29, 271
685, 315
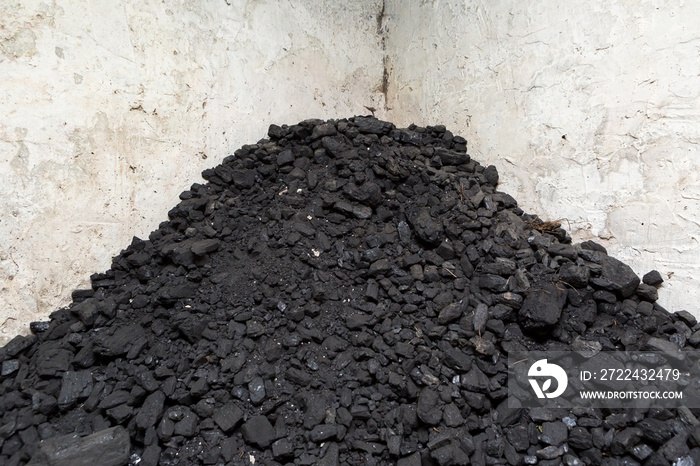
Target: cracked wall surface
112, 108
589, 109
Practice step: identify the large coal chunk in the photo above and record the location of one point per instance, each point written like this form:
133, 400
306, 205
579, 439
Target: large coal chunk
117, 342
108, 447
426, 228
543, 306
244, 179
228, 417
450, 157
428, 407
373, 126
617, 276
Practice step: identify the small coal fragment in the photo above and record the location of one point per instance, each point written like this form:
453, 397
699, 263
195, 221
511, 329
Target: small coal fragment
451, 312
653, 278
258, 431
186, 421
243, 178
150, 411
428, 409
323, 432
75, 385
228, 417
9, 366
580, 438
282, 449
625, 440
256, 388
554, 433
205, 246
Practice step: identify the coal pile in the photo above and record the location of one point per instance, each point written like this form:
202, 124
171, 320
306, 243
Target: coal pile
343, 292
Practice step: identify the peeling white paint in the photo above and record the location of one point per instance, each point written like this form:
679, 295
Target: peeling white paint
590, 110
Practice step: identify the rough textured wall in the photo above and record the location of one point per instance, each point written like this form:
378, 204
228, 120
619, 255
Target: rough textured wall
590, 109
110, 108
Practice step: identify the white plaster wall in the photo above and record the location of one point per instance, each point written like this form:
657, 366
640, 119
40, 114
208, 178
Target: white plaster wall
589, 108
110, 108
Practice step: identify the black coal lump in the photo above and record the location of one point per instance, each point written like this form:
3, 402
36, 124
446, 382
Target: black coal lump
339, 292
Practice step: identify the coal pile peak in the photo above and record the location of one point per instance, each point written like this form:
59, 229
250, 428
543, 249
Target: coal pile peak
342, 292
